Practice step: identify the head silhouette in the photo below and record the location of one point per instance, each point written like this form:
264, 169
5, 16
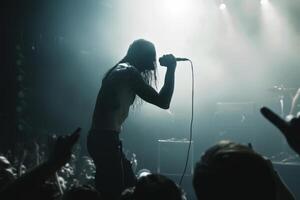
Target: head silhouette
141, 54
159, 187
233, 171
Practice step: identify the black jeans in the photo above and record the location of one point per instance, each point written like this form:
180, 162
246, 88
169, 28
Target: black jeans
113, 170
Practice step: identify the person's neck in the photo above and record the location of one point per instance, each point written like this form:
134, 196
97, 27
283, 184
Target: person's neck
134, 65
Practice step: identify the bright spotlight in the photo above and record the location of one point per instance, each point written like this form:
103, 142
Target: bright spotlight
264, 2
175, 7
222, 6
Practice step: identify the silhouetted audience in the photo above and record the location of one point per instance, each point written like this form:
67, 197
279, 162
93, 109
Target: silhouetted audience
227, 170
30, 185
290, 129
233, 171
156, 186
6, 172
82, 193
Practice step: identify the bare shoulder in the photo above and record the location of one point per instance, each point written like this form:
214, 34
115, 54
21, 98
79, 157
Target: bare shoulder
126, 68
128, 71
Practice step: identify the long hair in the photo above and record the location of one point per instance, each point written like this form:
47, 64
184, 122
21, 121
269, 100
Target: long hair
140, 51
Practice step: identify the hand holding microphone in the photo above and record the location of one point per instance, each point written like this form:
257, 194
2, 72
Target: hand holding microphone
169, 60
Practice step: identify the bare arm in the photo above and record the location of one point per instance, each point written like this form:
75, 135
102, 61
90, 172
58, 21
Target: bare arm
149, 94
28, 183
290, 130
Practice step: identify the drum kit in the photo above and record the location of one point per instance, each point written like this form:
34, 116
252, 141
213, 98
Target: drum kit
242, 114
282, 94
285, 94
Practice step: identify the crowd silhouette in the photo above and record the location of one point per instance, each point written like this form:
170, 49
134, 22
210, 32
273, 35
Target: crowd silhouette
227, 170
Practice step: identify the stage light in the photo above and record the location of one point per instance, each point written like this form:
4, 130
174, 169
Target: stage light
264, 2
21, 94
222, 6
19, 109
176, 8
20, 127
20, 78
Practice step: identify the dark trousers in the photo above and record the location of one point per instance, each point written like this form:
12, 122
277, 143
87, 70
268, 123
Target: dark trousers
113, 170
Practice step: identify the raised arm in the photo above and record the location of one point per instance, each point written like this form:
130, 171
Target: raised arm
162, 98
28, 182
290, 130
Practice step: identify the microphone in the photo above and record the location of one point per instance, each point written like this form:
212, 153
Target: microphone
182, 59
163, 60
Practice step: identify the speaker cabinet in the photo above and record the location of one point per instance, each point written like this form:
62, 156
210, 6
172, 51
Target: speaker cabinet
172, 155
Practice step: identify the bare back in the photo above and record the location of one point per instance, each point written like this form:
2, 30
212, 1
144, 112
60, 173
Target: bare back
118, 92
113, 101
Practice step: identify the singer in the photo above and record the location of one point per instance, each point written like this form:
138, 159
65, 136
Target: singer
131, 76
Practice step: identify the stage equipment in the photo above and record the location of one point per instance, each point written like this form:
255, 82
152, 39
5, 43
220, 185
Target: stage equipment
282, 92
171, 157
162, 62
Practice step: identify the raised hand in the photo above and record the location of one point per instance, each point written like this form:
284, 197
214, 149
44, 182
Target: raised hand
63, 148
168, 60
291, 129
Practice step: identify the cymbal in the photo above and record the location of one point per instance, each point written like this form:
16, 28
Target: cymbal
282, 90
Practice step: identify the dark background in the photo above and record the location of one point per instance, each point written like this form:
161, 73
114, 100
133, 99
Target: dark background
55, 53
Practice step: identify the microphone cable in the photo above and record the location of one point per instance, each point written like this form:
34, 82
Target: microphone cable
191, 125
